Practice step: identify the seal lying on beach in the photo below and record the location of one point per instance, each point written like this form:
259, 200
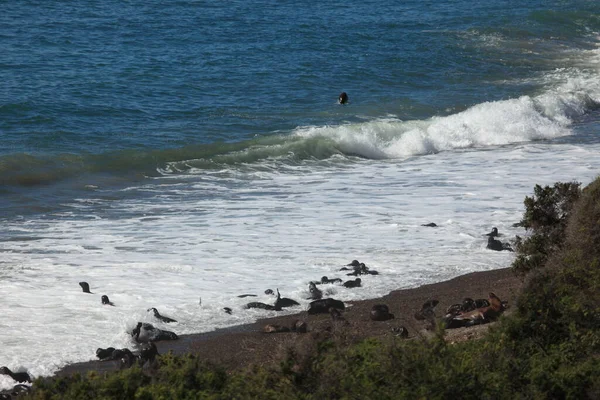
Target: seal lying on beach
104, 353
322, 306
478, 316
380, 312
161, 317
400, 331
145, 332
497, 245
17, 376
353, 283
427, 310
85, 287
106, 301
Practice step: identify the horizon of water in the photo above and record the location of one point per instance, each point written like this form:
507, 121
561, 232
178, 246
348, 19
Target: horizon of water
177, 157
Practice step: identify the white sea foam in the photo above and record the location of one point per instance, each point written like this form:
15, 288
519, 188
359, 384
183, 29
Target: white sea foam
218, 235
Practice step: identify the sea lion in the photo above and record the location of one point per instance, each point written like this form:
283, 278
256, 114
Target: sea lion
106, 301
148, 353
400, 331
241, 296
282, 302
299, 326
343, 98
362, 269
315, 293
380, 312
258, 304
85, 287
478, 316
144, 332
227, 310
325, 279
337, 317
104, 353
427, 313
322, 306
353, 283
493, 233
17, 376
161, 317
430, 225
270, 291
497, 245
480, 303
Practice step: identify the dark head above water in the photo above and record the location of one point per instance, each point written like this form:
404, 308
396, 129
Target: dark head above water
106, 301
343, 98
493, 233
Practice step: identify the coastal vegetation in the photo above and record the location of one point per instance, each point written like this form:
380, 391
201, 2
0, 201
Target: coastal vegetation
548, 347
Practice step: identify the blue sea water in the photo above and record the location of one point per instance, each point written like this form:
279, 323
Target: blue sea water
196, 149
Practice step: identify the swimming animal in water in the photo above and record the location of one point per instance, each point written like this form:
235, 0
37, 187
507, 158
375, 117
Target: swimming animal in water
282, 302
430, 225
161, 317
353, 283
227, 310
322, 306
325, 279
493, 233
241, 296
497, 245
381, 312
17, 376
258, 304
315, 292
85, 287
144, 333
106, 301
343, 98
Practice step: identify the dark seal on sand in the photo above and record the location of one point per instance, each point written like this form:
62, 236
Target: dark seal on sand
381, 312
85, 287
17, 376
104, 353
322, 306
144, 333
161, 317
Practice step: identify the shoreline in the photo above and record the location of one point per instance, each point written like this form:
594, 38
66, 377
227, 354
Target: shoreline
240, 346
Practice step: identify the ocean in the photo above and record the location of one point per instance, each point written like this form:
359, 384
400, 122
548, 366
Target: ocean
179, 154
